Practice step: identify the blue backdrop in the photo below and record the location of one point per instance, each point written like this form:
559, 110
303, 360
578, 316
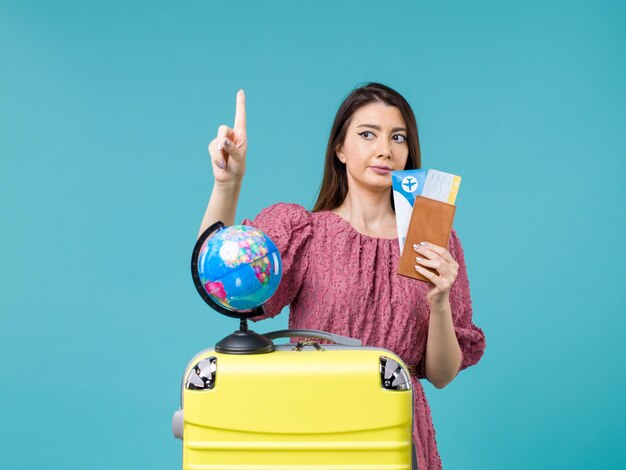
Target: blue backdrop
106, 109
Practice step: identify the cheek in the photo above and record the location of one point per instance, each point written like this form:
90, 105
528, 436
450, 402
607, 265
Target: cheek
402, 155
355, 150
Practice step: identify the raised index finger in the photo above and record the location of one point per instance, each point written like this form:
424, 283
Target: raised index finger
240, 111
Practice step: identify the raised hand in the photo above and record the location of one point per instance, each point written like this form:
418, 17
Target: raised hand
228, 149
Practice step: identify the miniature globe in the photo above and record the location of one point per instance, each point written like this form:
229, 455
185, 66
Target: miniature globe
239, 267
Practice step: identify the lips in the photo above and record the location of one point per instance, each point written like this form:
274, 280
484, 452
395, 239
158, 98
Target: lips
381, 169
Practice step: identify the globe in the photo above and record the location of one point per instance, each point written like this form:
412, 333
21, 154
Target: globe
239, 267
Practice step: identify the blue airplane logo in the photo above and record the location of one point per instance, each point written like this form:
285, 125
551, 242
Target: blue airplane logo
409, 184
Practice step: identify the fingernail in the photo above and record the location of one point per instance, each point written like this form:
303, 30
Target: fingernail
418, 268
219, 146
418, 259
220, 165
423, 243
226, 143
416, 246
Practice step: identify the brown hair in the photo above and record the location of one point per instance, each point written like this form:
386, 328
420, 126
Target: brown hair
334, 185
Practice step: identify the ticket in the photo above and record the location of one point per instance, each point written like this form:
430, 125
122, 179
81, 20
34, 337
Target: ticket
406, 185
441, 186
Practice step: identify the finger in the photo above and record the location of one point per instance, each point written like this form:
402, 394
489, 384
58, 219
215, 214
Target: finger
425, 251
230, 150
441, 251
425, 247
240, 111
438, 264
426, 273
217, 157
440, 282
224, 134
446, 271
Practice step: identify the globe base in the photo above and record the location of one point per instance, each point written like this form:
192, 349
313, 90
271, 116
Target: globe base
244, 342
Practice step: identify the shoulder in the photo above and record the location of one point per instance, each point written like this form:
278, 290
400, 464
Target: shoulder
286, 213
285, 209
282, 218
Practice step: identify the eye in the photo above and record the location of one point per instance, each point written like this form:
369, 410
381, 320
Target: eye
367, 135
399, 138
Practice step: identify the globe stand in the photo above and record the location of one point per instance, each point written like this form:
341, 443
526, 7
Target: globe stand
244, 341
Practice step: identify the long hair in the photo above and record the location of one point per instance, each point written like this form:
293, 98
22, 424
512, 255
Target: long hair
334, 187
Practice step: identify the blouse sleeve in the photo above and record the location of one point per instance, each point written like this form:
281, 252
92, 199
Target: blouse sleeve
289, 227
471, 338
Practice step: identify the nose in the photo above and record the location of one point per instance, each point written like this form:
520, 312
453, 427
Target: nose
384, 150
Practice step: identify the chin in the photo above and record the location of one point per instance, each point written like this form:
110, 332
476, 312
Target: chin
379, 185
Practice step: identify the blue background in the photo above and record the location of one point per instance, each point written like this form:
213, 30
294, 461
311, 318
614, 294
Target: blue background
106, 111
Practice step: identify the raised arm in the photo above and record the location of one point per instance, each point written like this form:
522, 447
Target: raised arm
228, 160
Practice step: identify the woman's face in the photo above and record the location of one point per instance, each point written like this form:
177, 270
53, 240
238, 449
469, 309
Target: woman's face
375, 144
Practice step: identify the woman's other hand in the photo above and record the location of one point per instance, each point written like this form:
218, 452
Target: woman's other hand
228, 149
439, 259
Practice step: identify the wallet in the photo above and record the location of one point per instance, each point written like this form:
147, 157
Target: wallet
431, 221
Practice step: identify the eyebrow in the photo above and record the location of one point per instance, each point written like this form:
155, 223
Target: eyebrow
374, 126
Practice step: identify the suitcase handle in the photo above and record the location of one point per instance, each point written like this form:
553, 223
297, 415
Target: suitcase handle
337, 339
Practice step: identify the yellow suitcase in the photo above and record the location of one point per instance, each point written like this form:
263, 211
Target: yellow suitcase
307, 406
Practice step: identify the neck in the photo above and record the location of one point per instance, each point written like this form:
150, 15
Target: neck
369, 212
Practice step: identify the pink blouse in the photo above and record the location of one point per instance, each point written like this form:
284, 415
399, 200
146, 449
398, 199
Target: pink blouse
338, 280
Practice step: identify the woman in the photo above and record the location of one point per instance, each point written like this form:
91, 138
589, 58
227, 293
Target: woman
340, 260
